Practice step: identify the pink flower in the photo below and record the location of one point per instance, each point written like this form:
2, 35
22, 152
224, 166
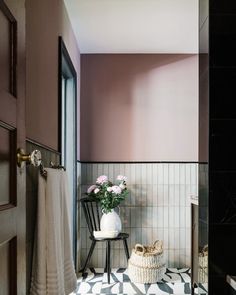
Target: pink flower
121, 178
122, 186
96, 190
109, 189
116, 189
91, 188
102, 179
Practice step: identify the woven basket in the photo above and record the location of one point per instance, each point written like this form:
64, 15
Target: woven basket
146, 264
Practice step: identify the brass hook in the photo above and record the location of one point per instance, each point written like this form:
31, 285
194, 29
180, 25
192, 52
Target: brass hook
22, 157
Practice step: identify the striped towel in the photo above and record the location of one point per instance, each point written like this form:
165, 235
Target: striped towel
53, 269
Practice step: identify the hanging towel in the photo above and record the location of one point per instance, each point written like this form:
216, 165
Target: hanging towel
53, 270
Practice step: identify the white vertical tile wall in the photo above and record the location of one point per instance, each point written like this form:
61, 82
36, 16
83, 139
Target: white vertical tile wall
158, 207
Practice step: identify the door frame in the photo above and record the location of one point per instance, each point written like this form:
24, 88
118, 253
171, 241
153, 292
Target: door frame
64, 54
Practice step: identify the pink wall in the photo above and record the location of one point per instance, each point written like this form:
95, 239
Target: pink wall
137, 107
45, 21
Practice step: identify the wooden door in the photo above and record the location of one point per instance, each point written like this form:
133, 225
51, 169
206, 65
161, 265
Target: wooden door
12, 135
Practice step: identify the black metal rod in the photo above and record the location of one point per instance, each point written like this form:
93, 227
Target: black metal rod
88, 257
93, 217
98, 217
87, 217
108, 261
106, 268
126, 249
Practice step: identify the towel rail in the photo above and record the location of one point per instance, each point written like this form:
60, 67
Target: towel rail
43, 172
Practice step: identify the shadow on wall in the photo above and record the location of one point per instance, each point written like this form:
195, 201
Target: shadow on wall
128, 100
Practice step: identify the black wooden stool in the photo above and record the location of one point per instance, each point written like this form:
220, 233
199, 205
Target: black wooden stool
92, 214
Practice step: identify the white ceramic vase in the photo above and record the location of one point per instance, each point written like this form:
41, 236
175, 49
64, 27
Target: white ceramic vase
110, 222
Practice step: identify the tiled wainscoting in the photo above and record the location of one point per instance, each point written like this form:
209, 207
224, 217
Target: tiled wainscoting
31, 200
158, 207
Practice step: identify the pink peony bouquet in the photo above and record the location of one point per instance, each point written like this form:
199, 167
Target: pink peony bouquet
110, 195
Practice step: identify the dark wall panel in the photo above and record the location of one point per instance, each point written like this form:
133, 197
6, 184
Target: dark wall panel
222, 160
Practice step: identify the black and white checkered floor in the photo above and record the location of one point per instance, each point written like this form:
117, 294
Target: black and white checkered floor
175, 281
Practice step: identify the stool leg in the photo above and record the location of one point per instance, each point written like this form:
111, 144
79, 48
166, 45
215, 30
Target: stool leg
126, 249
88, 257
108, 259
105, 270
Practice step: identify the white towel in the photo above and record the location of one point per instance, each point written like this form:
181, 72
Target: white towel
53, 271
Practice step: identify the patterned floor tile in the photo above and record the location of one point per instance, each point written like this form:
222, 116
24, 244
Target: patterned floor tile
95, 281
172, 278
113, 288
84, 288
179, 270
